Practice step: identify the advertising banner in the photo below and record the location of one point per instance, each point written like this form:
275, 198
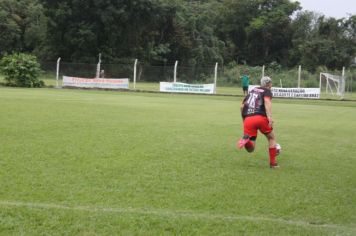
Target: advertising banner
95, 83
310, 93
186, 88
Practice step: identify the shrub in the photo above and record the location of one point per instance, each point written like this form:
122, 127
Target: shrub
21, 70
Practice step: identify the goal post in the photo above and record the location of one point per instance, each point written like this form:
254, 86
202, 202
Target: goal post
334, 84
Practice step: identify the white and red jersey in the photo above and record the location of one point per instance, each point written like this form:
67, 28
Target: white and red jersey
254, 102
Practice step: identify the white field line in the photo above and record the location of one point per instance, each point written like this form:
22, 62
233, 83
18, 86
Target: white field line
174, 214
74, 99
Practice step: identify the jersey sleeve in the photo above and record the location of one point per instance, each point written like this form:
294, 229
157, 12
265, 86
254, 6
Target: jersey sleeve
268, 93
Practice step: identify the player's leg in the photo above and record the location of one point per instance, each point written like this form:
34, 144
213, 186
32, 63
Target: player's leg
250, 134
272, 149
245, 90
250, 145
267, 130
248, 142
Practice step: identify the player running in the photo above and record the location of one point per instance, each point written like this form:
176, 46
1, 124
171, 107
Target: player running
256, 111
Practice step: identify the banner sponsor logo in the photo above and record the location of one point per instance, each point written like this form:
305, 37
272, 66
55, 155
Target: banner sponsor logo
310, 93
95, 83
186, 88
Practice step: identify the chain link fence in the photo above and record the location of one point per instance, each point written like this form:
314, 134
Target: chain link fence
226, 75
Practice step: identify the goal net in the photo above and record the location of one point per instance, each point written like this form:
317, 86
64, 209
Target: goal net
333, 84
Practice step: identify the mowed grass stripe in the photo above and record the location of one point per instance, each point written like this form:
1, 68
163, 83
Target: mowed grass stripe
174, 214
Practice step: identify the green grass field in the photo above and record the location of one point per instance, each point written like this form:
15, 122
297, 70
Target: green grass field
80, 162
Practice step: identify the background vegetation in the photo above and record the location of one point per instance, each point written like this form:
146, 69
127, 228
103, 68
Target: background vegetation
21, 70
194, 32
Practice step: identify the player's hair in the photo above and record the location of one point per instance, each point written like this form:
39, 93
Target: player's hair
265, 81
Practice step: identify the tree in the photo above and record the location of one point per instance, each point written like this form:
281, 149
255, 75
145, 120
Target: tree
257, 31
115, 28
303, 26
269, 34
22, 25
233, 19
321, 41
195, 40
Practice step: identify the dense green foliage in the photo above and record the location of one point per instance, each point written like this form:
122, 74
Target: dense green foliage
108, 163
22, 26
21, 70
161, 31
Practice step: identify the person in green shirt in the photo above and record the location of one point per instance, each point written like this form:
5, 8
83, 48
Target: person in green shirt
245, 83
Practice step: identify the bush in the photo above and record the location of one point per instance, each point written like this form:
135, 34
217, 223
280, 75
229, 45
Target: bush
21, 70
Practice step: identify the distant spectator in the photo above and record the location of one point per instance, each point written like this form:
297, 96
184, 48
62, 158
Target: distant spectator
245, 83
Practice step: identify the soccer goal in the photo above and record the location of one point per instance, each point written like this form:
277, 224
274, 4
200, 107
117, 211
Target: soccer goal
334, 84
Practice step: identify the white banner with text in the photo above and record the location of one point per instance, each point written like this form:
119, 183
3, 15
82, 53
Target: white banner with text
95, 83
186, 88
310, 93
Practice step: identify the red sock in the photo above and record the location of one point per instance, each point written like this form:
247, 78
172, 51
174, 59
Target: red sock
249, 144
272, 156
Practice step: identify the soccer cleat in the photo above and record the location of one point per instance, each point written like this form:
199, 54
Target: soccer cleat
274, 166
242, 142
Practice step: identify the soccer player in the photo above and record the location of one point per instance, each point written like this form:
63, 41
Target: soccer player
256, 111
245, 83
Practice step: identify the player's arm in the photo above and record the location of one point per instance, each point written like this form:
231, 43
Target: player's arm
268, 107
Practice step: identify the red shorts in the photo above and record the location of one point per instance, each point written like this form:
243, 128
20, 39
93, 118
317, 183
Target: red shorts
254, 123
